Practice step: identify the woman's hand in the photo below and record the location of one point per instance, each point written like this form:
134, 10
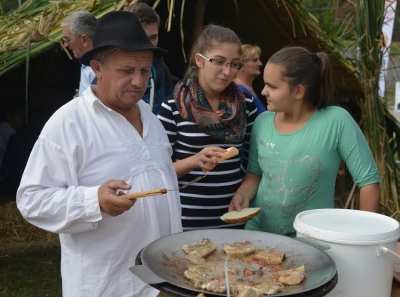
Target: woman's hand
206, 160
238, 202
109, 199
246, 192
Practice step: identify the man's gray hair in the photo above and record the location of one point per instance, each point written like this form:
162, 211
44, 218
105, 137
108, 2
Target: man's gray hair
80, 22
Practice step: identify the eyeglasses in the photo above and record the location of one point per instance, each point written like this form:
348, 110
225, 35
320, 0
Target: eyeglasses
68, 40
222, 63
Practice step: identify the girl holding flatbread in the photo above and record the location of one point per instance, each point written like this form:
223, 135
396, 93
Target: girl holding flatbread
206, 115
297, 146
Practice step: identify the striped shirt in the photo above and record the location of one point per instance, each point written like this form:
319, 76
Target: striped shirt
206, 200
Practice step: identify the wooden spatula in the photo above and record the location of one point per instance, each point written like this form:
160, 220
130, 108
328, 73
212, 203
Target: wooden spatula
144, 194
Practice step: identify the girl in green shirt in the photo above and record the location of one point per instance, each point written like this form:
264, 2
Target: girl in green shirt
297, 146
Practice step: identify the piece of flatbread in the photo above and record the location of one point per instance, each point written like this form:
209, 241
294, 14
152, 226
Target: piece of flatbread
230, 152
269, 287
239, 248
292, 276
250, 292
267, 257
240, 216
200, 249
195, 259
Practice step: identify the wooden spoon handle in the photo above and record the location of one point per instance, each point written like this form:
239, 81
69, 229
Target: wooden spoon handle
144, 194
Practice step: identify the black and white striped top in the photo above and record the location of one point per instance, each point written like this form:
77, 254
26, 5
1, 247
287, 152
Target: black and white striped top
205, 201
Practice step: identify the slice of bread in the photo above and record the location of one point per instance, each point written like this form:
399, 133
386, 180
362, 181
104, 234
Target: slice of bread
240, 216
230, 152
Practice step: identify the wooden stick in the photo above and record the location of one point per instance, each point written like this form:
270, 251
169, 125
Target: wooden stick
144, 194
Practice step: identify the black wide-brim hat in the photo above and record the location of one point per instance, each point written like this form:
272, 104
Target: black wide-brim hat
120, 29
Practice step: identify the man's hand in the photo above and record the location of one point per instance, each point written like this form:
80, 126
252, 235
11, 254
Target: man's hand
109, 200
76, 93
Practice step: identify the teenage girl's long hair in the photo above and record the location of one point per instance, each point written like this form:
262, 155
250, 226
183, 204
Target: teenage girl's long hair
211, 36
312, 70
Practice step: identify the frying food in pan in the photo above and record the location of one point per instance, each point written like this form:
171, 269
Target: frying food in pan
248, 267
199, 250
239, 248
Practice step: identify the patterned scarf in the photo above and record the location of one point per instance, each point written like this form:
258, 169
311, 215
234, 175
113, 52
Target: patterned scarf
228, 125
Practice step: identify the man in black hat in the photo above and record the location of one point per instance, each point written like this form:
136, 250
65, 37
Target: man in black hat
92, 149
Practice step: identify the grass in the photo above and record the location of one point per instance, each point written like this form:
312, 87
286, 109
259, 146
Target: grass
31, 274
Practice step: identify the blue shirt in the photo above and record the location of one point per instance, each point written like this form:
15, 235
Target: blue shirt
87, 76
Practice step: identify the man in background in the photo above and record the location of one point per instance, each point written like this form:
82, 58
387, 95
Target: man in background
160, 78
78, 30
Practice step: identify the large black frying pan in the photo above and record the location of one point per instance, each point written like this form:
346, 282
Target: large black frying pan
165, 260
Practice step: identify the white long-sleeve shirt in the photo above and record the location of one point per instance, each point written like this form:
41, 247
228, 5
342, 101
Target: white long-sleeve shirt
83, 145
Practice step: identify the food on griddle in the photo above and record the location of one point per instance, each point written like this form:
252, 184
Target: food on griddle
199, 250
287, 277
269, 287
195, 259
239, 248
237, 287
249, 292
206, 283
250, 270
292, 276
212, 270
267, 257
216, 286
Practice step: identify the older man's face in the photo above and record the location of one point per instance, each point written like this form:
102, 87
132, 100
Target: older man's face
75, 43
122, 79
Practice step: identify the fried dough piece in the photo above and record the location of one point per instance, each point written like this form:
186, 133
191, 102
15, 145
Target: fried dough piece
195, 259
200, 249
292, 276
195, 278
205, 283
269, 258
212, 271
237, 287
250, 292
216, 286
269, 287
239, 248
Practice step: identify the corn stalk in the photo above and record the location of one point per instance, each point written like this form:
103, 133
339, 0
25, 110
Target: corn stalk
379, 126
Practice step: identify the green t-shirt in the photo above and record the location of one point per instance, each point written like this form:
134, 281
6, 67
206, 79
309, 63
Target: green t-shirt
298, 170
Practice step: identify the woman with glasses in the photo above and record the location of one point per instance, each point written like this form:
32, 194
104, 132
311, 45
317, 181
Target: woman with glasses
206, 115
251, 69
